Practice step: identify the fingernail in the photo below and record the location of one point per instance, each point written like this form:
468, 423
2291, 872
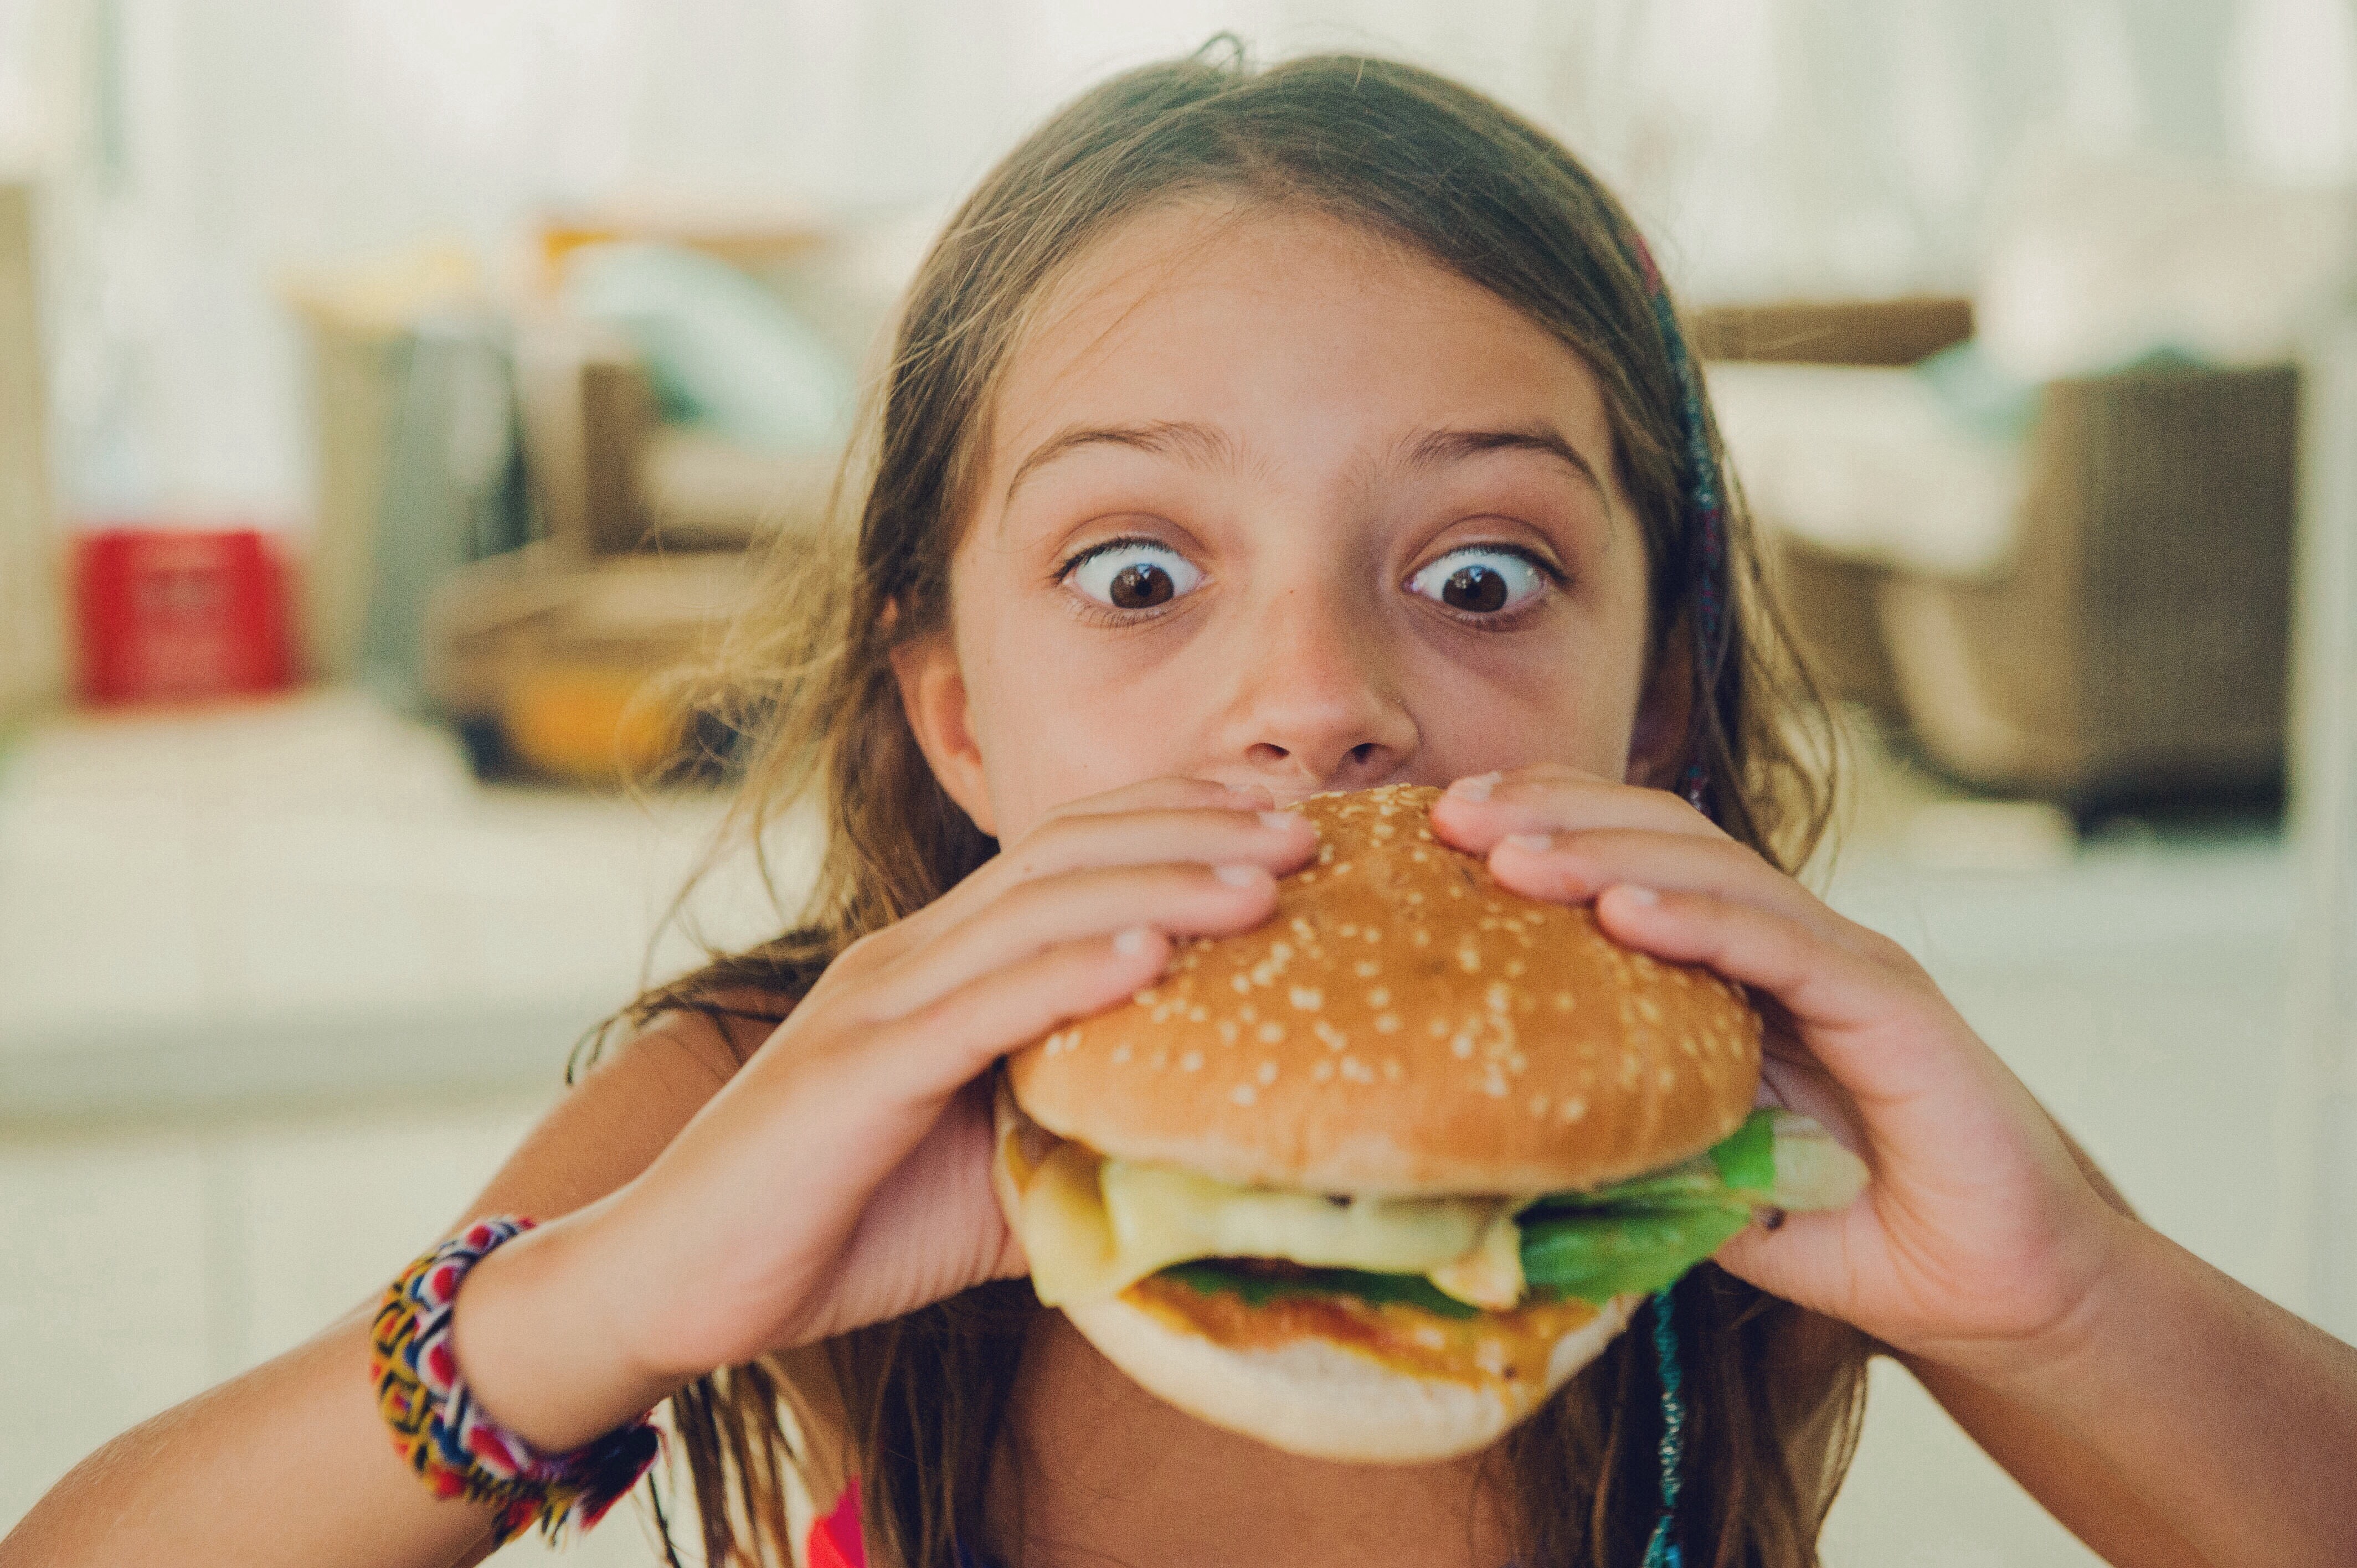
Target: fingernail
1239, 876
1476, 788
1285, 821
1771, 1218
1533, 844
1133, 941
1636, 895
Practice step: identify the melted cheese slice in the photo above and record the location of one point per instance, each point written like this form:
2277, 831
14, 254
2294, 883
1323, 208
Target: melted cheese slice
1093, 1226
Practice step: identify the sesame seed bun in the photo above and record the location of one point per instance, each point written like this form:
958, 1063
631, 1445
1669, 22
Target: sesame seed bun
1404, 1027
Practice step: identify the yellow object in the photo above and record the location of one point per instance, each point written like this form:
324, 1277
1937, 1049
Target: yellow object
588, 723
1094, 1226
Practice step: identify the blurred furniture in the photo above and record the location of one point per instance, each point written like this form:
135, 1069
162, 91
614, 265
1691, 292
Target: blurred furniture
2132, 645
32, 656
550, 662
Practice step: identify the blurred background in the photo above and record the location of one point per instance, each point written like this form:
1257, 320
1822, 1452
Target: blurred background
389, 392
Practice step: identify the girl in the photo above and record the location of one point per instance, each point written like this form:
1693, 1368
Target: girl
1250, 435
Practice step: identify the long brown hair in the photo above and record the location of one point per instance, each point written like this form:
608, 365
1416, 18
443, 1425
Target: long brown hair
914, 1407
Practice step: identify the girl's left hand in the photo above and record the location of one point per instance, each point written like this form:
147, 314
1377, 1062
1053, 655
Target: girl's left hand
1977, 1237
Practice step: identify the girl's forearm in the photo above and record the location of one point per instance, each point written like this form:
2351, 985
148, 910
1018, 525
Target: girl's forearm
289, 1464
2231, 1422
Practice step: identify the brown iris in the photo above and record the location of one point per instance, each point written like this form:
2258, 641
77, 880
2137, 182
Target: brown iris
1142, 585
1474, 587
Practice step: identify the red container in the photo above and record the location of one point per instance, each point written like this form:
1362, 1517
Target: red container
169, 614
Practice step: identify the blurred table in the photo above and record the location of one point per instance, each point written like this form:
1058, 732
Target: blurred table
312, 899
283, 985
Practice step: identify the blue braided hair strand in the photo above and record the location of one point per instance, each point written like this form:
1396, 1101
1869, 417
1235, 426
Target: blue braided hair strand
1703, 502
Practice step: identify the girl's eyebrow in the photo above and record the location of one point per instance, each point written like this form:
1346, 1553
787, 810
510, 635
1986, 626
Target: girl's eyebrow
1198, 445
1208, 446
1436, 447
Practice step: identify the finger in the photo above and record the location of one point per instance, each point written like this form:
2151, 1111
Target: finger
1798, 1257
1476, 812
1096, 901
1861, 1019
937, 1050
1276, 840
1176, 818
1572, 869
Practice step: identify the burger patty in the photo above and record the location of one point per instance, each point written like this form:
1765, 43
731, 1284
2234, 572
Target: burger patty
1256, 1305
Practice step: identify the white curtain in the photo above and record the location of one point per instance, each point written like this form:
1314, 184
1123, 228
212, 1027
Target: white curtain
196, 152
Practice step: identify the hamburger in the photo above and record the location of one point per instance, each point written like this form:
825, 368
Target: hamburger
1372, 1180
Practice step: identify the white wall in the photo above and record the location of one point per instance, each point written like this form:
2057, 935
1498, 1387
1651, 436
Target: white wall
198, 151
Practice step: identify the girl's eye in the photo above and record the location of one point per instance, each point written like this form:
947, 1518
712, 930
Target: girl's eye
1133, 575
1482, 579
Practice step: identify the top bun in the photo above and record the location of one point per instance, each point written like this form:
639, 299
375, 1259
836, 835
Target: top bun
1404, 1027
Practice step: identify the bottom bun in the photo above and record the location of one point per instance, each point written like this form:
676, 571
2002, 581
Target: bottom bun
1313, 1397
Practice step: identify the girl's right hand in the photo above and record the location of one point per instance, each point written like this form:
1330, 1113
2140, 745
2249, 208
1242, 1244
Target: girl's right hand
842, 1177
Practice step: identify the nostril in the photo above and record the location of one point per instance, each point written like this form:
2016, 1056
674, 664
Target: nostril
1363, 752
1263, 754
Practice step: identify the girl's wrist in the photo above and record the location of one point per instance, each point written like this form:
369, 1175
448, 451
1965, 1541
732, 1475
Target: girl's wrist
538, 1345
2052, 1364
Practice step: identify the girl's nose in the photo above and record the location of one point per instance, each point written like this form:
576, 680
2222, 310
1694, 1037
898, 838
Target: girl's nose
1317, 705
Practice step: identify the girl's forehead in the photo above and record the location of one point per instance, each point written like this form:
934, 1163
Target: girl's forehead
1221, 310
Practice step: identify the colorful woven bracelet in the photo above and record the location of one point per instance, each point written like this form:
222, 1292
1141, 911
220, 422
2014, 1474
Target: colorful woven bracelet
454, 1447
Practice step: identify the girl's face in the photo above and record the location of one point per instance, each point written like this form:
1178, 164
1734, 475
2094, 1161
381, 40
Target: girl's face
1270, 502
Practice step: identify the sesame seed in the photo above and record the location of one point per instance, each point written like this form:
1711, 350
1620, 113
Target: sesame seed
1271, 1032
1267, 1073
1347, 928
1366, 969
1192, 1061
1538, 1104
1241, 1094
1356, 1071
1373, 933
1436, 1028
1322, 1071
1148, 997
1121, 1053
1379, 996
1335, 1039
1239, 983
1393, 1071
1227, 1027
1571, 1110
1461, 1046
1563, 1000
1343, 869
1387, 1023
1196, 1014
1649, 1009
1498, 998
1308, 998
1248, 1012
